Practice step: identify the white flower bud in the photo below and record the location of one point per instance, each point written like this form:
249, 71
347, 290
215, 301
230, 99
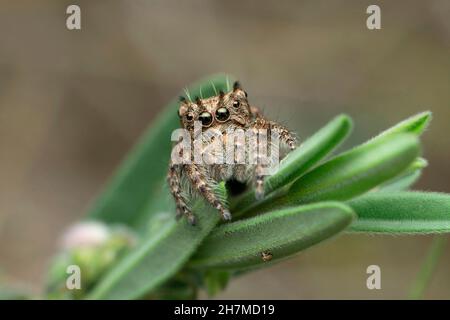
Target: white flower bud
85, 234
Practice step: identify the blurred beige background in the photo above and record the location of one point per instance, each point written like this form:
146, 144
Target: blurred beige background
73, 102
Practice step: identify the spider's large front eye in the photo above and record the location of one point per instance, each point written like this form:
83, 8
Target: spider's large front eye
189, 117
222, 114
236, 104
205, 118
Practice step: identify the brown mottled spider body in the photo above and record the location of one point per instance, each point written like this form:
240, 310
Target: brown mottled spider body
222, 112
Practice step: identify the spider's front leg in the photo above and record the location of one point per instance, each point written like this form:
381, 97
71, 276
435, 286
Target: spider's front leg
256, 156
286, 137
285, 134
174, 181
259, 181
261, 122
204, 184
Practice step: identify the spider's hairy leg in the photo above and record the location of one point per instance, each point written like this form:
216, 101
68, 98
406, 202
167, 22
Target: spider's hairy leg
255, 157
259, 182
174, 181
286, 137
285, 134
202, 182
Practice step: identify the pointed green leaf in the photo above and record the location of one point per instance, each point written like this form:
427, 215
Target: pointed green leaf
216, 281
309, 153
401, 183
402, 212
415, 124
281, 233
141, 174
406, 179
351, 173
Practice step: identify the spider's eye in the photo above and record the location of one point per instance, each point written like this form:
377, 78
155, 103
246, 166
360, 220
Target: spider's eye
205, 118
189, 117
222, 114
236, 104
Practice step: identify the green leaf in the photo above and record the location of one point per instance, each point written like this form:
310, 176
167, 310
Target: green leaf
182, 286
178, 290
141, 174
405, 180
402, 212
282, 233
415, 125
154, 217
216, 281
401, 183
157, 258
351, 173
300, 160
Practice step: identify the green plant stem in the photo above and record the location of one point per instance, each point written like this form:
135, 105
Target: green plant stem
428, 267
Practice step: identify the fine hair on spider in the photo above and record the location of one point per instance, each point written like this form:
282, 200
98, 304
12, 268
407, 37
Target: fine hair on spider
214, 119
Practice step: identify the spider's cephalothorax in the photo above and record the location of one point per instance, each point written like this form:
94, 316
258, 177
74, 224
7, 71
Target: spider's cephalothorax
223, 112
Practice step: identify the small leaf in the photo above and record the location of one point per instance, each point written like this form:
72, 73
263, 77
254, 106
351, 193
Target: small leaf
141, 174
300, 160
158, 258
216, 281
401, 183
405, 180
175, 291
281, 233
182, 286
351, 173
418, 164
415, 125
402, 212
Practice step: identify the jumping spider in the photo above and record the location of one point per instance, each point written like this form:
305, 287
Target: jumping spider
221, 112
266, 256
